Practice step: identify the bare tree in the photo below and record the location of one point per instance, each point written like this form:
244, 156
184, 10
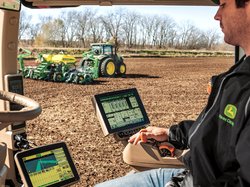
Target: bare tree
112, 23
156, 22
24, 24
96, 28
212, 38
59, 31
147, 27
82, 25
188, 35
70, 24
167, 32
34, 31
129, 28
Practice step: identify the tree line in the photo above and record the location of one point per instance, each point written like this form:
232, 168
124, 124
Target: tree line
126, 28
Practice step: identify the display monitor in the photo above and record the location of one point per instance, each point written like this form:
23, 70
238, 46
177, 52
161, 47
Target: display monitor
120, 111
14, 83
49, 165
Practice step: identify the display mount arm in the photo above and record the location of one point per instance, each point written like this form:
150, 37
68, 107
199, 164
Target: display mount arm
30, 111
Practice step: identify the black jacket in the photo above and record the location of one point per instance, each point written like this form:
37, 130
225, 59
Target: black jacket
219, 140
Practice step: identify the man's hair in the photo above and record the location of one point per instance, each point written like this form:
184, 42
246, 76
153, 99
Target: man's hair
241, 3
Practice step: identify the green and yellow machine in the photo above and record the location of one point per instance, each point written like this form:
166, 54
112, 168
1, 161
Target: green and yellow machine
103, 56
57, 68
101, 61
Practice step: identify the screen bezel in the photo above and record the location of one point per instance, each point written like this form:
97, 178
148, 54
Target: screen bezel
136, 125
20, 155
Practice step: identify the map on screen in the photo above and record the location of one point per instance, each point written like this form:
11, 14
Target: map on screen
48, 168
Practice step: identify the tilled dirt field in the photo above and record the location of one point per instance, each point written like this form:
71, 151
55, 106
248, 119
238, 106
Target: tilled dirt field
172, 89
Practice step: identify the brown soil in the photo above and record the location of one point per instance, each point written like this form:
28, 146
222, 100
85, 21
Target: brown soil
172, 89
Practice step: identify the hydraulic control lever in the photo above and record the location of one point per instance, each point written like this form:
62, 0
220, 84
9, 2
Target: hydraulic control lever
165, 149
21, 141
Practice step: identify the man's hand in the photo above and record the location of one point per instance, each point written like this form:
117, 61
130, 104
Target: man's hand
157, 133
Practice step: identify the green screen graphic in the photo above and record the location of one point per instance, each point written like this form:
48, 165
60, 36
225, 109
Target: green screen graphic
43, 163
48, 168
121, 110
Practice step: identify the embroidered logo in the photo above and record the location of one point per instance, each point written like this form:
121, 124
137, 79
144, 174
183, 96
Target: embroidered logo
230, 111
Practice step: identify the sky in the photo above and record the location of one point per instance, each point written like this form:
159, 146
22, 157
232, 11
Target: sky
201, 16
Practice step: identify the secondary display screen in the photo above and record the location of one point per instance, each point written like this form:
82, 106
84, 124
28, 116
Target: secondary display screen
122, 109
15, 85
47, 166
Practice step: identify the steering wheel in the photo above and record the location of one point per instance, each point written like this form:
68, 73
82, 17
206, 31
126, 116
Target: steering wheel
30, 111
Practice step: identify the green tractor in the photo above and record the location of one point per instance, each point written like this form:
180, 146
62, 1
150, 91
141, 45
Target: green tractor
104, 57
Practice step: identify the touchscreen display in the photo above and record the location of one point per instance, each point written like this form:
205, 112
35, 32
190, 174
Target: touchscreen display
47, 168
121, 110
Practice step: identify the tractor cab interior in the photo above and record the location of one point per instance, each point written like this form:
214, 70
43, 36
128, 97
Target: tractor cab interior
18, 159
121, 113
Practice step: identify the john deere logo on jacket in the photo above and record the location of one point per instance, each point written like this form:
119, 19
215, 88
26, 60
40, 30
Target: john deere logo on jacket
230, 113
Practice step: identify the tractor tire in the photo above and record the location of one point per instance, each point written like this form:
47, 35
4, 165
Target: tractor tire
82, 62
121, 69
66, 75
58, 77
70, 78
50, 76
108, 68
88, 78
80, 79
75, 79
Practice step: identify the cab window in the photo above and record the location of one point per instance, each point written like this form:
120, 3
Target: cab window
108, 50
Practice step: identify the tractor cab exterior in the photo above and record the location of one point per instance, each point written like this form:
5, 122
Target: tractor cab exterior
103, 56
102, 49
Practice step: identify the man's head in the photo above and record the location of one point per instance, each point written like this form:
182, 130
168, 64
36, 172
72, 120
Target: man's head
234, 18
239, 3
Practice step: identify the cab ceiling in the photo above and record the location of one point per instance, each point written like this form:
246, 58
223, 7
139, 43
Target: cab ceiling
62, 3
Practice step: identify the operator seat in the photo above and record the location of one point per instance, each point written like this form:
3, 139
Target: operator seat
3, 167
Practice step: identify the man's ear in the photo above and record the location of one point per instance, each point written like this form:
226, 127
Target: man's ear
247, 3
241, 4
